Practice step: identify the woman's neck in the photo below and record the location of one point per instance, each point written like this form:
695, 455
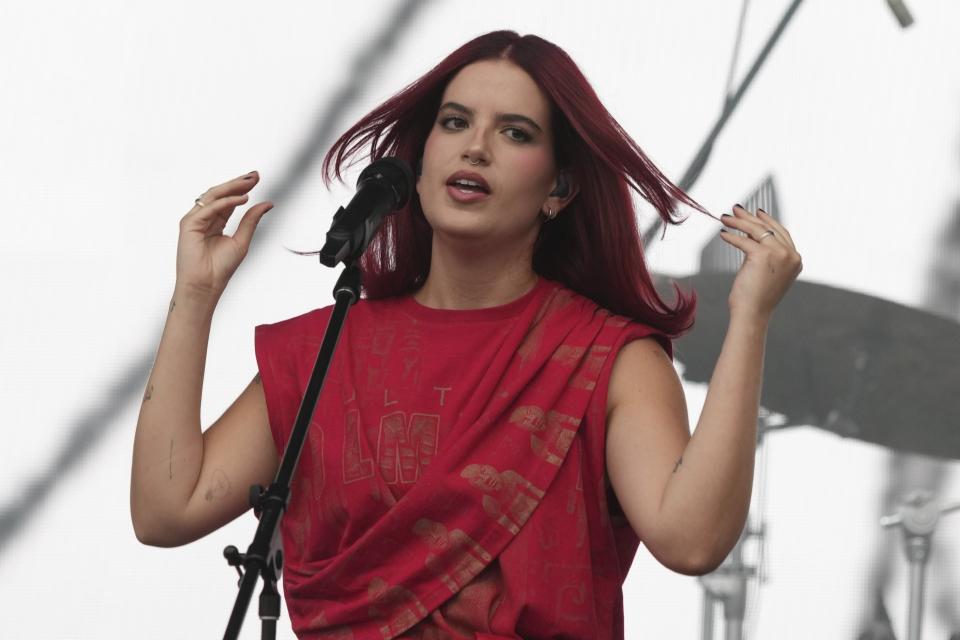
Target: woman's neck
464, 279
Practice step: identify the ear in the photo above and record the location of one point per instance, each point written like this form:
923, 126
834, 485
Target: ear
565, 190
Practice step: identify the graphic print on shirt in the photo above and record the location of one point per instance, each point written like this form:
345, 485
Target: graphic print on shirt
572, 600
453, 556
298, 521
327, 500
552, 535
406, 448
586, 376
355, 466
508, 497
568, 355
329, 633
550, 435
410, 345
399, 608
532, 342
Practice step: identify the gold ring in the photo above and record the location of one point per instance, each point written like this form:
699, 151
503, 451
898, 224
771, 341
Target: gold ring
199, 202
766, 233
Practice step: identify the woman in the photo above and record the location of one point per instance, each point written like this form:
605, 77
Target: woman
502, 423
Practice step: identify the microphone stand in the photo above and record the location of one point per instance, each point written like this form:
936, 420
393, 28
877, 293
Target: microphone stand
383, 186
264, 556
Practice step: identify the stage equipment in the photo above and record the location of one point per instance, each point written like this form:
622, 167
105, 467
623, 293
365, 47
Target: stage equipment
858, 366
917, 516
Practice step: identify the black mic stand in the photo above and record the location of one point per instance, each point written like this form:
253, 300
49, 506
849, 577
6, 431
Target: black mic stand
264, 557
384, 186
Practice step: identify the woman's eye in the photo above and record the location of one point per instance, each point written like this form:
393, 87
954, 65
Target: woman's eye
518, 135
452, 122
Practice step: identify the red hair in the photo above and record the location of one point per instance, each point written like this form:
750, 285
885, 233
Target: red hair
594, 248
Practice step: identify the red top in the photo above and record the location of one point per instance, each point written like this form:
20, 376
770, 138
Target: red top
452, 484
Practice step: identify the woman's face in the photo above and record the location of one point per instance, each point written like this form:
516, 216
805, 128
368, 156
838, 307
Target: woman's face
494, 126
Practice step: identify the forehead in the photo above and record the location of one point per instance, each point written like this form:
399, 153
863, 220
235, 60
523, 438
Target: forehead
498, 86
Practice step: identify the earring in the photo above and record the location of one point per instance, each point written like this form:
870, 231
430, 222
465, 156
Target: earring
550, 214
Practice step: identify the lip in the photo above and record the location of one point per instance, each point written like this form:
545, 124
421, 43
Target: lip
470, 175
465, 197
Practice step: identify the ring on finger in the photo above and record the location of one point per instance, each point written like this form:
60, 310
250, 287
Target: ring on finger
199, 202
768, 232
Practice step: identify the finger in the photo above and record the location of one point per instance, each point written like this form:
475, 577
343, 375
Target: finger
745, 244
771, 222
248, 224
239, 185
201, 218
750, 227
745, 221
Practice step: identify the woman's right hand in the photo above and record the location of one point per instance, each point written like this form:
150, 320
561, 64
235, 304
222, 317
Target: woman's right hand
206, 259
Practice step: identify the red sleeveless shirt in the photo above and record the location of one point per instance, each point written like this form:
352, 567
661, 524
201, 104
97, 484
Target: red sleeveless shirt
452, 484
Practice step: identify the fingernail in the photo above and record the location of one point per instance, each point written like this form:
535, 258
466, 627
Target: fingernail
724, 231
738, 206
761, 210
725, 215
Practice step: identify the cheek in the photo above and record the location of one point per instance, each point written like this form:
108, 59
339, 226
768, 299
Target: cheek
532, 168
432, 152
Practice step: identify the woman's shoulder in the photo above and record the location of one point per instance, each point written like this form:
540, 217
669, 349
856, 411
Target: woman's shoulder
316, 319
298, 322
626, 330
565, 295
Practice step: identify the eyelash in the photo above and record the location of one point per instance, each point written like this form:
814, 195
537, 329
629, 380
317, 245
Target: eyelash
525, 137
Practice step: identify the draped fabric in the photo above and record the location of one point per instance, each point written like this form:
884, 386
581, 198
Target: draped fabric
452, 484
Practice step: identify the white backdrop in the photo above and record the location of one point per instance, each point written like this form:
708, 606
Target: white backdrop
115, 115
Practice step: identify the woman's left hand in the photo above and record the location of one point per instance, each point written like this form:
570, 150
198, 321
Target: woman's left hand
770, 266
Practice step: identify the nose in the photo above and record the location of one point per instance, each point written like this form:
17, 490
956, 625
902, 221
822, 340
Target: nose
477, 152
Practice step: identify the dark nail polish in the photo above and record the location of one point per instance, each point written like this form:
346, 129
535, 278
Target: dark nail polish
724, 231
725, 215
249, 177
738, 206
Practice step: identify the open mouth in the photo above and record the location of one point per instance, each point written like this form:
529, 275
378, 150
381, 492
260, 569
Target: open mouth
468, 183
469, 186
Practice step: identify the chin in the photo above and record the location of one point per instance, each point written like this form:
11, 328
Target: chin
459, 222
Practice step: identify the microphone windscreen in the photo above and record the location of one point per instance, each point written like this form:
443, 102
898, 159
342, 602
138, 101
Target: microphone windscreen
394, 173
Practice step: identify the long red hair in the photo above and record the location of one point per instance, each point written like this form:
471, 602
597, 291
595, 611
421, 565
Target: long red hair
594, 248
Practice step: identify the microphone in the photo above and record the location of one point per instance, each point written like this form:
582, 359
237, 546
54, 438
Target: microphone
382, 188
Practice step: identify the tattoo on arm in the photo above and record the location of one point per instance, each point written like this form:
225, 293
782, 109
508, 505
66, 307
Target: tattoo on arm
148, 393
173, 303
219, 486
677, 466
256, 378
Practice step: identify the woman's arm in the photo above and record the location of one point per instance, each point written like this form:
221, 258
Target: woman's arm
688, 498
186, 482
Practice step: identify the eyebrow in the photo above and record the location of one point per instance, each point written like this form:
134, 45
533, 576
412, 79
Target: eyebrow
501, 117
